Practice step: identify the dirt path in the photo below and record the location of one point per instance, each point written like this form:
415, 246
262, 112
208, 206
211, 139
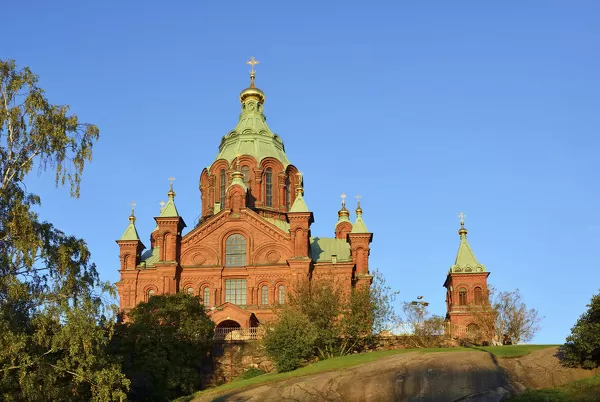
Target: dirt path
456, 376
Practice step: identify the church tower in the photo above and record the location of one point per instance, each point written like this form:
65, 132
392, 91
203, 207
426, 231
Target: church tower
466, 285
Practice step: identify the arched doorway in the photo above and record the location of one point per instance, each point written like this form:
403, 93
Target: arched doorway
225, 329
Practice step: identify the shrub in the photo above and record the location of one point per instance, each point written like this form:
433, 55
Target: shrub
582, 348
291, 341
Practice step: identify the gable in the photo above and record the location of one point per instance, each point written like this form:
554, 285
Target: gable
266, 242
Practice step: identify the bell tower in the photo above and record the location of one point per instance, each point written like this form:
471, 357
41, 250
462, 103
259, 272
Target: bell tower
466, 284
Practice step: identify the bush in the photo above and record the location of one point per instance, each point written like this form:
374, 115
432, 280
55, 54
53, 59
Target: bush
291, 341
582, 348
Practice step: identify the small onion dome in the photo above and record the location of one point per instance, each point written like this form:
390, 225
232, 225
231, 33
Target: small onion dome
343, 213
358, 210
462, 231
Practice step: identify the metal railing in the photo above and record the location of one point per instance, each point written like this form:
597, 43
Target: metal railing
238, 334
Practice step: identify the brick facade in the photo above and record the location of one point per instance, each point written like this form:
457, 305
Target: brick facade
249, 196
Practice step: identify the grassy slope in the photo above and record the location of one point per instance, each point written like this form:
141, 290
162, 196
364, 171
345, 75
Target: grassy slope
587, 390
338, 363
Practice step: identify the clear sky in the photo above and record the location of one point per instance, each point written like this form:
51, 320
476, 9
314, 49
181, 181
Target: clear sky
425, 108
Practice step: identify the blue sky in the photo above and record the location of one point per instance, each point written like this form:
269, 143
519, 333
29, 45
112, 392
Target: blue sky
425, 108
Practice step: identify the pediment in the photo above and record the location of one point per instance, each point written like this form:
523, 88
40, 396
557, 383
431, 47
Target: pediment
246, 219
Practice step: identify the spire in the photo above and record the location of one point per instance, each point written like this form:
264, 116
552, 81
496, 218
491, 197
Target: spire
169, 209
131, 232
252, 62
359, 226
299, 203
343, 213
465, 259
462, 232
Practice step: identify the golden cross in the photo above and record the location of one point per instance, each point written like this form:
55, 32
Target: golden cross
133, 204
299, 178
358, 197
171, 182
252, 62
162, 205
462, 217
343, 197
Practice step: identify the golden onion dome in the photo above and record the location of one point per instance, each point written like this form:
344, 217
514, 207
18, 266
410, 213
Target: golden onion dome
252, 93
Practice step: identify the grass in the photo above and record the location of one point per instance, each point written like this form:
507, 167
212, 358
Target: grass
587, 390
512, 351
343, 362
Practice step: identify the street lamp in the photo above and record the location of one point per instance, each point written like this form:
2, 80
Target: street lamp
421, 304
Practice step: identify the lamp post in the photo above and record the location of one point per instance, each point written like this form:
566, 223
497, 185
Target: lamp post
421, 305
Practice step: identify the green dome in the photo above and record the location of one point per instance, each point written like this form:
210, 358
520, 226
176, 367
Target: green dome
252, 136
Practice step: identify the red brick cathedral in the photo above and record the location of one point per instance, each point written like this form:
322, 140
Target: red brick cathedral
253, 240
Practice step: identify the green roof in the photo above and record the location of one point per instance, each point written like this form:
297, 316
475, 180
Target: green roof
251, 136
131, 232
285, 226
465, 259
150, 257
299, 204
322, 248
169, 209
359, 226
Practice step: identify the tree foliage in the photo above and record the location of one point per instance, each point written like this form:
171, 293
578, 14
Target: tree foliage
54, 322
163, 345
334, 321
427, 330
506, 318
582, 348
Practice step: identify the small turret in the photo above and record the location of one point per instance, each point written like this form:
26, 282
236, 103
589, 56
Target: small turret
300, 220
343, 225
130, 245
360, 239
359, 225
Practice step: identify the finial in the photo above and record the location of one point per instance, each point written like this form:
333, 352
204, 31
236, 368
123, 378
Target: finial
462, 231
358, 208
132, 216
343, 212
162, 205
299, 188
171, 193
252, 62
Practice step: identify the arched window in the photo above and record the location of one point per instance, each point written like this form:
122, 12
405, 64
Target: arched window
150, 294
462, 296
190, 291
222, 184
269, 188
245, 171
478, 295
206, 298
281, 294
264, 295
287, 192
235, 251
